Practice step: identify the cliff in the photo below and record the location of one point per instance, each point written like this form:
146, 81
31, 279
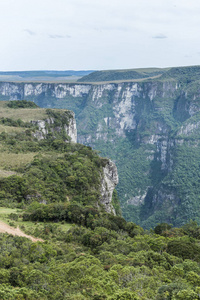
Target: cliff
52, 166
109, 181
149, 128
51, 125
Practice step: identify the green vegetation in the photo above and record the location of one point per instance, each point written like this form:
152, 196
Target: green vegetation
150, 190
21, 104
113, 75
75, 175
15, 217
60, 171
5, 212
84, 263
184, 74
25, 114
51, 169
156, 150
87, 253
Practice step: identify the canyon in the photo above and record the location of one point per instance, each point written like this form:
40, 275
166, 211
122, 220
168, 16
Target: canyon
149, 128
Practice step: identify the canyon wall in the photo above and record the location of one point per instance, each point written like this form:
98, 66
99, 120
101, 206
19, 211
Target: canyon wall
149, 129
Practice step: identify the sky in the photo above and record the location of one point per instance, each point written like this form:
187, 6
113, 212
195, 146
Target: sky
98, 34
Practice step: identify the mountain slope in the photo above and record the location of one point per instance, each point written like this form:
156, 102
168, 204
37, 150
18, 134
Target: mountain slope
48, 164
115, 75
149, 128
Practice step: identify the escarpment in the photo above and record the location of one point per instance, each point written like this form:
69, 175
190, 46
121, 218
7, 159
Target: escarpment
109, 181
53, 166
66, 123
149, 128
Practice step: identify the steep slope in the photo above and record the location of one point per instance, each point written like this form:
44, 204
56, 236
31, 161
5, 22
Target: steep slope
53, 167
149, 128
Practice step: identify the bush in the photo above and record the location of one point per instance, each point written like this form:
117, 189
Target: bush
13, 217
184, 249
161, 228
21, 104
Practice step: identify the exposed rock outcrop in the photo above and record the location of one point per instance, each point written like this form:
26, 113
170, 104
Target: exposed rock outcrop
143, 126
108, 183
48, 125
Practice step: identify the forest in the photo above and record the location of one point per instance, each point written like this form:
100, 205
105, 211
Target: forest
51, 189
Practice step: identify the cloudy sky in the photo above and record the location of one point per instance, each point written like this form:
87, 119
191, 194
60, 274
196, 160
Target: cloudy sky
98, 34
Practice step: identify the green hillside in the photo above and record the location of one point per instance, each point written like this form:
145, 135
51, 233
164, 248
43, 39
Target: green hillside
116, 75
85, 253
186, 74
80, 262
51, 169
149, 128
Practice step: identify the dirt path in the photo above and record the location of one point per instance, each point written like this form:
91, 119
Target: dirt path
4, 228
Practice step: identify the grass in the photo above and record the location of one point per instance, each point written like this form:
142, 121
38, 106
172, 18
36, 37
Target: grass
120, 81
65, 226
10, 129
5, 212
4, 173
39, 79
25, 114
123, 75
139, 70
12, 161
4, 217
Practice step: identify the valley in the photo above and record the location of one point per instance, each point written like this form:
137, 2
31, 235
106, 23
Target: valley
149, 128
62, 234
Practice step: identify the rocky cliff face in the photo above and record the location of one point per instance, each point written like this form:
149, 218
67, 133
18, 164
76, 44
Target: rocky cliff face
48, 126
108, 183
109, 176
145, 128
18, 91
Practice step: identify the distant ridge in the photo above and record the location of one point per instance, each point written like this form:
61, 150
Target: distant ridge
129, 74
187, 73
49, 75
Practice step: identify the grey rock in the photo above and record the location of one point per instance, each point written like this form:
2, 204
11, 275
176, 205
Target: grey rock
108, 183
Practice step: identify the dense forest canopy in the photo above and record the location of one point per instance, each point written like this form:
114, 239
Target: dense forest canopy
50, 188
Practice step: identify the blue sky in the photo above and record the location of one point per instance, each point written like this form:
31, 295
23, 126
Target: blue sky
98, 34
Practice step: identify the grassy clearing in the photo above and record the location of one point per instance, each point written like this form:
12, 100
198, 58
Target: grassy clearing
121, 81
65, 226
4, 173
139, 70
12, 161
28, 225
25, 114
5, 212
9, 162
10, 129
4, 217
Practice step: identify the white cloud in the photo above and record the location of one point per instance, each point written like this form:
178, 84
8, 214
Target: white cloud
160, 36
30, 32
58, 36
